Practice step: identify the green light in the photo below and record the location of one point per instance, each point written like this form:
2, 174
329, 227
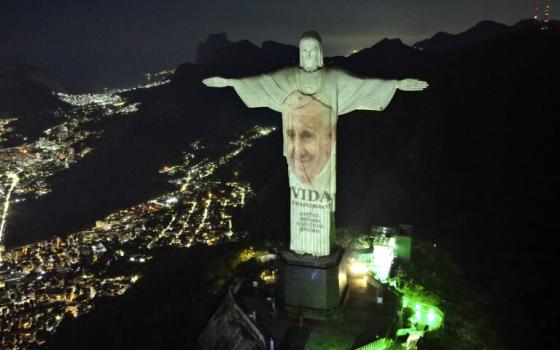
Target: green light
431, 317
424, 314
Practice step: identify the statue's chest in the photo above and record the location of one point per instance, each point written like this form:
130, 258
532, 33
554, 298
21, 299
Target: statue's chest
309, 82
309, 85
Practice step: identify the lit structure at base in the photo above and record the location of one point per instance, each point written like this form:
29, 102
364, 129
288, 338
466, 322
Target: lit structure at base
374, 315
424, 317
383, 255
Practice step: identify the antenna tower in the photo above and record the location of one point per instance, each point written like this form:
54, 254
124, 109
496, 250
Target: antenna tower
541, 14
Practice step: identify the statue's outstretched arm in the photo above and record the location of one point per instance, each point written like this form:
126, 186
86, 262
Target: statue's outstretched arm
255, 91
217, 82
412, 85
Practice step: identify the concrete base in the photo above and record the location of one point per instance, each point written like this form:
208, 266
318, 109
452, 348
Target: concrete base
312, 287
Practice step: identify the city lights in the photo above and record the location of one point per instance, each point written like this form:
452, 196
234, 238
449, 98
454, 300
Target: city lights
71, 272
14, 180
44, 281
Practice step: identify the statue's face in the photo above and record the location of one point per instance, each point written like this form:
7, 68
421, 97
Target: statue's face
309, 140
309, 54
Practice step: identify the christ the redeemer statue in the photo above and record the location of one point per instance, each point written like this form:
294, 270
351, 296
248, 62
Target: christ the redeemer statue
310, 98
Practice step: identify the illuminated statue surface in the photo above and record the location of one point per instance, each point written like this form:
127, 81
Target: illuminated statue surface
311, 97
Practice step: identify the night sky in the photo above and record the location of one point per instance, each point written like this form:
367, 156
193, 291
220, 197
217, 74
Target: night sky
97, 43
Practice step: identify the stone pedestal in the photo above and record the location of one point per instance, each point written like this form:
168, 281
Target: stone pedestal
312, 287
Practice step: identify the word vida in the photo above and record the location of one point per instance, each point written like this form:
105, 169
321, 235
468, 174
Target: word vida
310, 195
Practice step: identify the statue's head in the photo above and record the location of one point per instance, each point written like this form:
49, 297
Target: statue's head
310, 51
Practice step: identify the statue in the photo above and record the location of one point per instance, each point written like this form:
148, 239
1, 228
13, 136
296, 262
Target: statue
310, 98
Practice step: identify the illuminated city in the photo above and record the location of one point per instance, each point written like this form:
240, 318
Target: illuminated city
42, 282
60, 146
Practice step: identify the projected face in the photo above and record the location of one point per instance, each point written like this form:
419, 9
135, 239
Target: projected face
309, 137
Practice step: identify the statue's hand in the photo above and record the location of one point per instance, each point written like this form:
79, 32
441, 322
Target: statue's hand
217, 82
411, 85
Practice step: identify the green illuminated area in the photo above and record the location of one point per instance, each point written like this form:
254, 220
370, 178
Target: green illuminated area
440, 308
424, 318
438, 298
424, 315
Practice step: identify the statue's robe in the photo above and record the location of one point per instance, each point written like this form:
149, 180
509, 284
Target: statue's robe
336, 93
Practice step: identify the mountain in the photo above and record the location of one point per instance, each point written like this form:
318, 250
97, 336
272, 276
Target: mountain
387, 58
484, 30
208, 48
244, 58
26, 93
26, 88
281, 52
16, 75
